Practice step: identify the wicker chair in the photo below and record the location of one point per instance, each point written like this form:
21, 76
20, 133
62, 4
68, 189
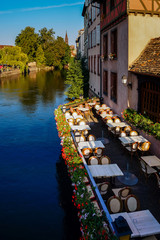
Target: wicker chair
132, 148
93, 161
132, 203
147, 170
127, 130
98, 152
133, 133
114, 204
91, 138
144, 147
82, 122
122, 193
104, 160
86, 152
103, 187
117, 120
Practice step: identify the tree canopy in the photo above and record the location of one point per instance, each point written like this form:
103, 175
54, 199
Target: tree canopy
13, 56
74, 80
28, 40
43, 48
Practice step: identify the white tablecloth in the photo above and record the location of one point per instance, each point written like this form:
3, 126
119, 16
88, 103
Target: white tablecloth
80, 127
120, 124
152, 161
90, 144
110, 170
129, 140
142, 223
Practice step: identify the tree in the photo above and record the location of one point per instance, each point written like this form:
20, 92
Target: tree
28, 40
46, 37
40, 58
13, 56
75, 80
67, 57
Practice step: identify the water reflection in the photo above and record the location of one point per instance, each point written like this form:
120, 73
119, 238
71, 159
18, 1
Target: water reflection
37, 86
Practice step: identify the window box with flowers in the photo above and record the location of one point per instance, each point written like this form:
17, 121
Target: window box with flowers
112, 56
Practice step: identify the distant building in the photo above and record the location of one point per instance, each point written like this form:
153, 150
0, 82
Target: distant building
73, 51
85, 15
3, 46
80, 43
94, 47
66, 38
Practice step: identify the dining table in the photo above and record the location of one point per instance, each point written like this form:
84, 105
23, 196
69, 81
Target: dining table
142, 223
132, 139
119, 124
109, 170
80, 127
151, 160
90, 144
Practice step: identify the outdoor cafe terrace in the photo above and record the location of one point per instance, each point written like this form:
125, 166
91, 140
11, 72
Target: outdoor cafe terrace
144, 187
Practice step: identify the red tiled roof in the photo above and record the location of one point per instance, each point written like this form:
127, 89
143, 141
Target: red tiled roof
149, 60
3, 46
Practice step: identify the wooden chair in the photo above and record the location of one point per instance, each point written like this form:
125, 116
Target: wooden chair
110, 120
116, 131
98, 152
91, 138
77, 135
93, 161
86, 152
85, 132
158, 179
132, 203
103, 187
74, 114
122, 193
82, 138
127, 130
104, 105
123, 134
97, 106
78, 120
133, 133
117, 120
132, 148
104, 160
147, 170
114, 204
82, 122
144, 147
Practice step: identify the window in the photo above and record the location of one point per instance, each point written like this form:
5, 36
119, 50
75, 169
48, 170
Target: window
98, 9
105, 46
98, 34
104, 7
114, 42
114, 87
98, 65
105, 82
95, 64
91, 63
112, 4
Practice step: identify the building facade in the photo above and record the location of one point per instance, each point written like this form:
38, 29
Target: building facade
80, 43
127, 26
94, 47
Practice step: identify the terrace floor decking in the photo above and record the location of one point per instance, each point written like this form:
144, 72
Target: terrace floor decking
146, 190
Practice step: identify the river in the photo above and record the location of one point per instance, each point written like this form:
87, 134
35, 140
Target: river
33, 202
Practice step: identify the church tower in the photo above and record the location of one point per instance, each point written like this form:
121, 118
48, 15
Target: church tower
66, 38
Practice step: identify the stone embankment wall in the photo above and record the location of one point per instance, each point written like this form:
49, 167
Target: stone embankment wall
9, 73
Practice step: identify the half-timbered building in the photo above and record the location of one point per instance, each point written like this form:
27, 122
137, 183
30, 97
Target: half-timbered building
127, 27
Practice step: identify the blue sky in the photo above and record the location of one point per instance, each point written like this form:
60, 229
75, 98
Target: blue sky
60, 15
